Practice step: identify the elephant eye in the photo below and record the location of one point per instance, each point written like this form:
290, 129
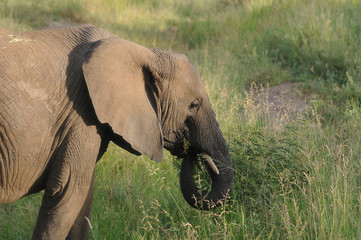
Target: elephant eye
195, 105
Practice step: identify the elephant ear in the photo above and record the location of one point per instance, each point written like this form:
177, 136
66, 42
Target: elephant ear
121, 88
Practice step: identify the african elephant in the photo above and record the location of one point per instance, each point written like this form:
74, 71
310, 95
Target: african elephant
65, 93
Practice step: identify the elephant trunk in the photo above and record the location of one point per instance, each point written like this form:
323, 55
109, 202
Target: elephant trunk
221, 173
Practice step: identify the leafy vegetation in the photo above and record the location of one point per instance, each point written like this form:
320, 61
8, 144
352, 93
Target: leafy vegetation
302, 181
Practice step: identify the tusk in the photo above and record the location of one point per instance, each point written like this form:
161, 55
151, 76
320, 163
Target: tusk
210, 162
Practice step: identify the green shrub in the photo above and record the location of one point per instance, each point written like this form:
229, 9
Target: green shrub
296, 55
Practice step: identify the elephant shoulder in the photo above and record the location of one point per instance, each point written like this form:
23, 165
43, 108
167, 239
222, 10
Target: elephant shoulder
4, 32
87, 33
5, 38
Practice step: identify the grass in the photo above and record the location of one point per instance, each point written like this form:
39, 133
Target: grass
299, 182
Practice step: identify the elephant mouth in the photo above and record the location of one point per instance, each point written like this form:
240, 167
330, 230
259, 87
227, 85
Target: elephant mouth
179, 150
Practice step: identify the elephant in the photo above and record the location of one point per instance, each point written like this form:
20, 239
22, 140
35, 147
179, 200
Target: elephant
66, 93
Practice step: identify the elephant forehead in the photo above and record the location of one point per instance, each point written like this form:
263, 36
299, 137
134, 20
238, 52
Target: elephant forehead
190, 77
192, 88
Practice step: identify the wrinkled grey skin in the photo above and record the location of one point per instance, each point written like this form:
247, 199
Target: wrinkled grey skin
65, 93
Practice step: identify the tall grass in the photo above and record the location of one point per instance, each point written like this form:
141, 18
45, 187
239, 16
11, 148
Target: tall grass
302, 181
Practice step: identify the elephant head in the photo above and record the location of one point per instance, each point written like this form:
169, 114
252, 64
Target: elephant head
154, 99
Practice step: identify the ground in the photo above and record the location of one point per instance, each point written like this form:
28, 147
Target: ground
279, 104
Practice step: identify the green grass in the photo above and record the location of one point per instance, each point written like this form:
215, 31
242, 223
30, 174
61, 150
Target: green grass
299, 182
